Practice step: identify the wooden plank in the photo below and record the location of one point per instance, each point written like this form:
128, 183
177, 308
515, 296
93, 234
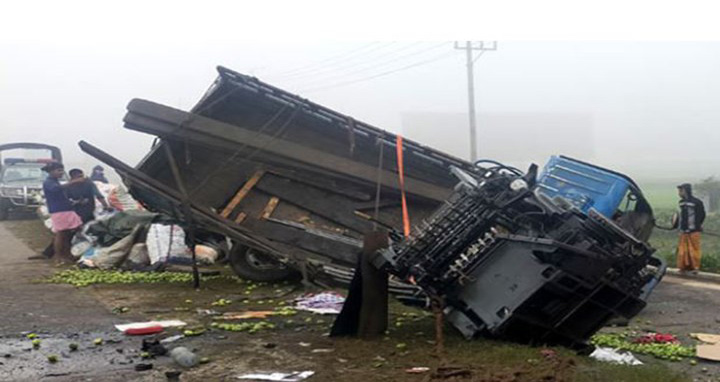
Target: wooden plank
244, 190
165, 121
320, 180
240, 218
270, 207
335, 208
318, 242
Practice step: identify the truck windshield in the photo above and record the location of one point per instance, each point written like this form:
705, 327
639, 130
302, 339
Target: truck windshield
20, 173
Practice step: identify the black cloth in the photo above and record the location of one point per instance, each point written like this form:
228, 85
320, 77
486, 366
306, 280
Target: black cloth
365, 311
83, 195
692, 213
98, 177
110, 231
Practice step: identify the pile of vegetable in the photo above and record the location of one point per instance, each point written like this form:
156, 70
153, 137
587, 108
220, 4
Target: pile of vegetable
85, 277
661, 346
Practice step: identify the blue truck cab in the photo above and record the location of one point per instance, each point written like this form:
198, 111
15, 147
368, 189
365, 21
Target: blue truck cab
585, 185
613, 195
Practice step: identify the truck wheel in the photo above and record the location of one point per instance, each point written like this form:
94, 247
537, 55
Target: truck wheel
4, 209
251, 264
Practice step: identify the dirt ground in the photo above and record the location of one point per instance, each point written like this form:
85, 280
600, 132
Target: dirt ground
62, 314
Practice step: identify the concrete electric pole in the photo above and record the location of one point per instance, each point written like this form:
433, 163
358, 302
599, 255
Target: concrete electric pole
470, 47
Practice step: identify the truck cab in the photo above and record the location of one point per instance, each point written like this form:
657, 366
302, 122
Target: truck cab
593, 189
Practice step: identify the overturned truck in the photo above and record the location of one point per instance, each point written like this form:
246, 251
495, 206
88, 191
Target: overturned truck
547, 257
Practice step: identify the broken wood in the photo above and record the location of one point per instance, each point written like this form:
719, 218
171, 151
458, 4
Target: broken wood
244, 190
332, 207
240, 218
269, 208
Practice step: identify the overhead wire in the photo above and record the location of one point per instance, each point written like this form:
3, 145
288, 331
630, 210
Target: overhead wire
367, 59
381, 63
382, 74
335, 60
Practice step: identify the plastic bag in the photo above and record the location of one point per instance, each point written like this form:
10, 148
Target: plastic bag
164, 241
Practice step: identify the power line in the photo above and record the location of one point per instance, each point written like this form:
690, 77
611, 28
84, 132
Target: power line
385, 63
366, 59
329, 59
344, 57
340, 84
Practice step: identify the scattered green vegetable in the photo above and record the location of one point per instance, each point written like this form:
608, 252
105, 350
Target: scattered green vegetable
222, 302
85, 277
666, 351
250, 327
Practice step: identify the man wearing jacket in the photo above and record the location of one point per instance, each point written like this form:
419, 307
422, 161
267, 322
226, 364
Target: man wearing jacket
689, 221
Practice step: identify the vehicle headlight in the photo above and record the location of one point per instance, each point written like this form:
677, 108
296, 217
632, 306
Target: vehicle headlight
11, 192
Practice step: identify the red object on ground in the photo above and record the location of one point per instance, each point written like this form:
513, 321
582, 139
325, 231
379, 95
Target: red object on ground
658, 338
144, 331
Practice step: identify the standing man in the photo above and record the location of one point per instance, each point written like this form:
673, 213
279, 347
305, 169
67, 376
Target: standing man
98, 174
82, 192
64, 219
689, 221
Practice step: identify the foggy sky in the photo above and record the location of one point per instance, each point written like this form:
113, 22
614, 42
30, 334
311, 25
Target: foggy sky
654, 105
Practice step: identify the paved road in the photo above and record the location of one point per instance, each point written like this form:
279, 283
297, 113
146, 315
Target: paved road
60, 314
38, 306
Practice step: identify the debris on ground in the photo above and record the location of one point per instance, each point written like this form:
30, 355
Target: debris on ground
295, 376
321, 303
611, 355
706, 337
155, 329
120, 309
221, 302
172, 339
85, 277
143, 366
149, 324
184, 357
708, 352
245, 326
154, 348
670, 351
417, 370
246, 315
658, 338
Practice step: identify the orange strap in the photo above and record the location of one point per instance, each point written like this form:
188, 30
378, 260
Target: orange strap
401, 180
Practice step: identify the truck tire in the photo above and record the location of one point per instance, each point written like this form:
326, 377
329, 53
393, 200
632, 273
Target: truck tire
4, 209
251, 264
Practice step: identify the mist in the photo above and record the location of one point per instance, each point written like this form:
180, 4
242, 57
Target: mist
648, 109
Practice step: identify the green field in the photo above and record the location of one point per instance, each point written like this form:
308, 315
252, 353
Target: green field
663, 198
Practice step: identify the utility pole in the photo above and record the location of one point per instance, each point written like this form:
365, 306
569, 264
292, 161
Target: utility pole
469, 47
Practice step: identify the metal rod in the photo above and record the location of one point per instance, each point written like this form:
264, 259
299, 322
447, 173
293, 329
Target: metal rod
187, 212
